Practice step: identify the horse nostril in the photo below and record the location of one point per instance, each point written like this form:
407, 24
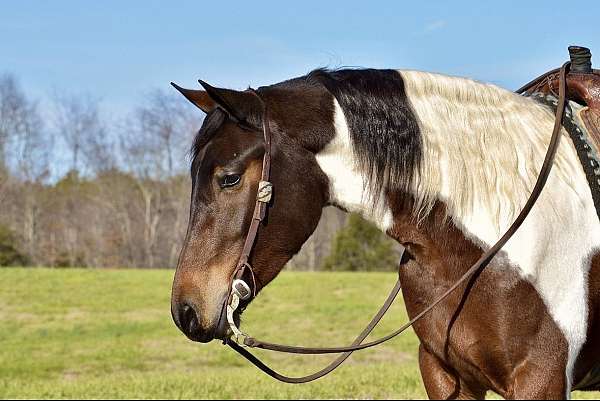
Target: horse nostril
188, 320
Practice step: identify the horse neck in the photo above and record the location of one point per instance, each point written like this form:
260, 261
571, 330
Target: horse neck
481, 150
434, 241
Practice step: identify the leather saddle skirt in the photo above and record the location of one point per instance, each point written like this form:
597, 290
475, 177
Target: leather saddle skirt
583, 89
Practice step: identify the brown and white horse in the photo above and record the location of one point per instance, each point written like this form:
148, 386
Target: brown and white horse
440, 164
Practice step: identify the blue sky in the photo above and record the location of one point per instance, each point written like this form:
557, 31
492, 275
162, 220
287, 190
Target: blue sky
119, 50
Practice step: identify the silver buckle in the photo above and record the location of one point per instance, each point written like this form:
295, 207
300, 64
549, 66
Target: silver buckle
241, 289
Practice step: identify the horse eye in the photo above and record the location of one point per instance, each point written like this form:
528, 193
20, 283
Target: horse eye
230, 180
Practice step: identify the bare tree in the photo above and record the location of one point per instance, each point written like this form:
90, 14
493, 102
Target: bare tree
13, 111
125, 200
24, 149
154, 141
157, 135
78, 123
12, 103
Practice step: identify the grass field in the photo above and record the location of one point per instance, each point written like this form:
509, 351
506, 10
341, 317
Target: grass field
108, 333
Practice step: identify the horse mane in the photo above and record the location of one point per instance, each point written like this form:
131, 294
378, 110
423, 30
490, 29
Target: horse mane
475, 146
483, 147
383, 128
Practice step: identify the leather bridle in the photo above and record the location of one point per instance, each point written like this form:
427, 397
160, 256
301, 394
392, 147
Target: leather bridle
240, 290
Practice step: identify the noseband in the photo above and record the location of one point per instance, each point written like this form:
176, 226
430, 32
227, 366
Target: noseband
240, 290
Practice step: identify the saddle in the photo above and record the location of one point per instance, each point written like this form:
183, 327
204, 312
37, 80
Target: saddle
583, 83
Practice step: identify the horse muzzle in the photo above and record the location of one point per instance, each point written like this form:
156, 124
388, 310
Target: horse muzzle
198, 327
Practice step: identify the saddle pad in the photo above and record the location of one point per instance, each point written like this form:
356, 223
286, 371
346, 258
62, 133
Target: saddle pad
591, 121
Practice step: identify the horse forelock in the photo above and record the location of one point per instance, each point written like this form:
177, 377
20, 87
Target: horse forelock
212, 122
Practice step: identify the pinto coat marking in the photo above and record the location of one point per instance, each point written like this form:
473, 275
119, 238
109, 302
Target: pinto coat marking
479, 151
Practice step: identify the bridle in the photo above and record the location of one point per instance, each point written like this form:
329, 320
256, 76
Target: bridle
240, 290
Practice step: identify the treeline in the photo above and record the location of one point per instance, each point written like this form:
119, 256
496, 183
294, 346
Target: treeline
79, 188
113, 219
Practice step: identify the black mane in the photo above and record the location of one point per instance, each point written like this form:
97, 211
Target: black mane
382, 124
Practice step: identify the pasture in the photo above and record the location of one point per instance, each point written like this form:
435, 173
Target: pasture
88, 333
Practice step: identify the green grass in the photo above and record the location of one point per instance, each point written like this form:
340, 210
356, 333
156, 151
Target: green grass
108, 333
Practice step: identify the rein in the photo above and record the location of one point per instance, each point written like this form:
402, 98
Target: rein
241, 291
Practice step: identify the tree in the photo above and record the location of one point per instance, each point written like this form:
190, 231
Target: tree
24, 150
12, 113
154, 142
79, 124
9, 255
23, 144
361, 246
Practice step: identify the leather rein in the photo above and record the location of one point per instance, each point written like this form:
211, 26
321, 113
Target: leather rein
241, 291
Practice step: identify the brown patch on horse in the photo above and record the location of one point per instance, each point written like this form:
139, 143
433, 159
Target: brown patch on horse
589, 357
494, 333
441, 383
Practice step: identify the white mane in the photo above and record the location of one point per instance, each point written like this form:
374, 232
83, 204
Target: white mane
483, 147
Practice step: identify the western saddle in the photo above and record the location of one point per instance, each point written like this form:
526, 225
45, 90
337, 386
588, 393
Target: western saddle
583, 87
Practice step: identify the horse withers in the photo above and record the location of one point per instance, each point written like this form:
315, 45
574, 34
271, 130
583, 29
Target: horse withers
440, 164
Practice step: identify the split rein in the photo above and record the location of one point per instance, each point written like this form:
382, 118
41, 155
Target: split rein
241, 291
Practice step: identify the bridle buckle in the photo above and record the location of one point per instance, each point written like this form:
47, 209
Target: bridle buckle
241, 289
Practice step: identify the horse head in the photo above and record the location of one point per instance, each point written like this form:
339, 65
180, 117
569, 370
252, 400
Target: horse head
225, 171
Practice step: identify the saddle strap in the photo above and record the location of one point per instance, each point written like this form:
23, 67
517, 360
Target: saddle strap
473, 272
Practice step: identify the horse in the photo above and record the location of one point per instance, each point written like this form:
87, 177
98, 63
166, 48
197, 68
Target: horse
442, 165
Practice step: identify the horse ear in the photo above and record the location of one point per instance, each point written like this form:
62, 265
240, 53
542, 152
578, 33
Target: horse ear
199, 98
240, 105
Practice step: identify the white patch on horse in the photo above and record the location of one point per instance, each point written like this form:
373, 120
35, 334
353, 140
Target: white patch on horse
346, 180
483, 148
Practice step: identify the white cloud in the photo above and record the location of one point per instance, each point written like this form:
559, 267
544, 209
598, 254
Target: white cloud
435, 25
